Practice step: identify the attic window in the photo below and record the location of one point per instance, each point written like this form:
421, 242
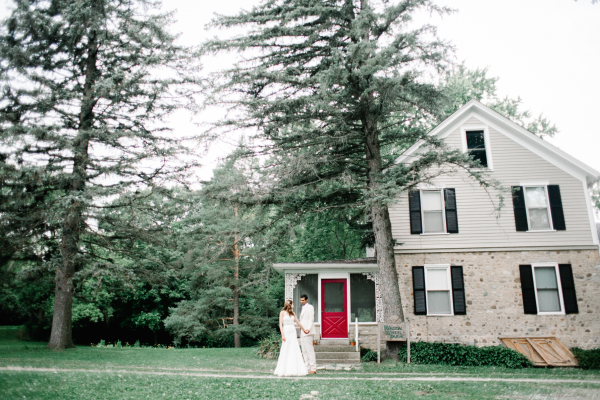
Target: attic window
476, 146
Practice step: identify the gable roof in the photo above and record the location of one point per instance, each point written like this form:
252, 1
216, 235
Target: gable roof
512, 130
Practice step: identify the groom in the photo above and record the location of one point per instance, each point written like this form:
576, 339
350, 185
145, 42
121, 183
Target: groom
307, 319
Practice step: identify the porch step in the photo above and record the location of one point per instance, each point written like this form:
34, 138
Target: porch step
330, 349
336, 351
337, 361
334, 342
337, 355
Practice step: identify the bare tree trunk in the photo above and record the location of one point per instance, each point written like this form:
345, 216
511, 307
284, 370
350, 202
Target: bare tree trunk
236, 292
384, 242
61, 336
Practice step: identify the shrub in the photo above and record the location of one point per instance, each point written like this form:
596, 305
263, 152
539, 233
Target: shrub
588, 359
466, 356
368, 355
269, 346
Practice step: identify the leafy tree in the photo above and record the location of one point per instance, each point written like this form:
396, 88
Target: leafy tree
326, 235
86, 84
334, 89
461, 85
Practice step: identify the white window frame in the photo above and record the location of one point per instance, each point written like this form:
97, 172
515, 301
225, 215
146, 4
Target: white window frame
558, 283
449, 281
441, 191
486, 141
545, 186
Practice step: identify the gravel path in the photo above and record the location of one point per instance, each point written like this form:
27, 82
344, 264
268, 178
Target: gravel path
327, 378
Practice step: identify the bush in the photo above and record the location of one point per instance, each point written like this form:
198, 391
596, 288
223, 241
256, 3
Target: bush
368, 355
466, 356
588, 359
269, 346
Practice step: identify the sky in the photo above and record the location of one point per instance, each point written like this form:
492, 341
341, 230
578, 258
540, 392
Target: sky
545, 51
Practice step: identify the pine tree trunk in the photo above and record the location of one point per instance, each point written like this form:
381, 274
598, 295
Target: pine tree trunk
236, 292
384, 242
236, 316
61, 336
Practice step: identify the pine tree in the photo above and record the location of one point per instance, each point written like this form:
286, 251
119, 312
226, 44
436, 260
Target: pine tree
86, 85
227, 247
336, 90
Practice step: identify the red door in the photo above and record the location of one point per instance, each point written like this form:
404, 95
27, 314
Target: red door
334, 312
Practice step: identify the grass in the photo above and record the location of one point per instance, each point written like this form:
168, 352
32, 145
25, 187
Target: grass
111, 373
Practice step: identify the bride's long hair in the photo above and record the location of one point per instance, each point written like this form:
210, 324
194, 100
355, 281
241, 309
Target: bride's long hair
288, 307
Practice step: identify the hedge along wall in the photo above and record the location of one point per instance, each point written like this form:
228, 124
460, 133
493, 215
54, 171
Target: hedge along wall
466, 356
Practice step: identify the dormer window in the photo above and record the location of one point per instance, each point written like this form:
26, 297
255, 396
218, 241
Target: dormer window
476, 143
476, 146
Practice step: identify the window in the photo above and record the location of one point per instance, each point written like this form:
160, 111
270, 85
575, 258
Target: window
538, 207
547, 289
439, 289
476, 146
433, 211
308, 285
432, 206
437, 284
362, 298
536, 201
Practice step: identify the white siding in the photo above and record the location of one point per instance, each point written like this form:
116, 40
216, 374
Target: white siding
478, 224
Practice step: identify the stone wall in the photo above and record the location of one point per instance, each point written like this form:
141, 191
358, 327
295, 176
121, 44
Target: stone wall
367, 336
494, 299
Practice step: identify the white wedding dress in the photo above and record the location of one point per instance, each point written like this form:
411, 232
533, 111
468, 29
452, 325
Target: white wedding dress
290, 361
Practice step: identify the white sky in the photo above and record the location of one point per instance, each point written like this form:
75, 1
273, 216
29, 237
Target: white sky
546, 51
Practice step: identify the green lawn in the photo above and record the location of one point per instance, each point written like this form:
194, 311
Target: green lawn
111, 373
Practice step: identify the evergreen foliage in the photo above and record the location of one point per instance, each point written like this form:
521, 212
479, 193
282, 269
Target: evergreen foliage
86, 85
228, 248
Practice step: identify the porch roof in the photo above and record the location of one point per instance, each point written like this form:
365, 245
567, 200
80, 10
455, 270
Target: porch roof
368, 264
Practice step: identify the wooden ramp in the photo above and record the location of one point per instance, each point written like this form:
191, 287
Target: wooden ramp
542, 351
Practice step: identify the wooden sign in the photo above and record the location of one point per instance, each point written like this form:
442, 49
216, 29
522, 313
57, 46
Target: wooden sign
393, 333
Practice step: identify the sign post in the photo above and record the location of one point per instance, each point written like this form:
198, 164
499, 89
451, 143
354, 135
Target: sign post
393, 333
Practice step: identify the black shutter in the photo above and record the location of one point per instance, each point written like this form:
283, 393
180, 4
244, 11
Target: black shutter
414, 202
451, 216
419, 290
519, 206
556, 209
458, 290
568, 289
528, 289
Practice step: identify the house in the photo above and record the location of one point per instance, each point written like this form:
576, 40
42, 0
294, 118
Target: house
467, 272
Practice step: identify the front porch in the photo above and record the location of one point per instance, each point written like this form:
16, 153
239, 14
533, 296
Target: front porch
344, 293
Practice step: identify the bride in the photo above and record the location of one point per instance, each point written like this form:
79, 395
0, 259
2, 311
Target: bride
290, 361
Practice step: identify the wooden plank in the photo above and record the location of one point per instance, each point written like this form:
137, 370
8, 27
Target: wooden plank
556, 353
542, 351
536, 349
522, 346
